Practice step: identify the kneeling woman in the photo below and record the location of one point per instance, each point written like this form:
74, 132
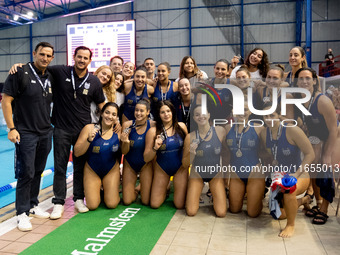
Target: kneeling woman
285, 144
166, 142
203, 148
102, 168
133, 146
244, 144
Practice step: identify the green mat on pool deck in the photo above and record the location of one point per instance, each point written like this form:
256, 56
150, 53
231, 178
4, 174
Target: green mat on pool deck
134, 229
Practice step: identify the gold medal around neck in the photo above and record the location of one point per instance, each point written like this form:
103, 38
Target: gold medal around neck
239, 153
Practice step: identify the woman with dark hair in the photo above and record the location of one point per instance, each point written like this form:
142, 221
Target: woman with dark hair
274, 79
243, 82
221, 70
323, 132
185, 101
297, 60
101, 144
119, 86
285, 143
189, 69
202, 149
128, 70
257, 63
165, 142
165, 89
134, 91
133, 146
244, 144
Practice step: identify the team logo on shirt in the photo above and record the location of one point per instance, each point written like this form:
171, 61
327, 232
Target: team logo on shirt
132, 143
163, 147
286, 152
33, 81
85, 91
130, 101
199, 153
115, 148
217, 150
251, 142
96, 149
87, 85
315, 120
68, 80
155, 99
229, 142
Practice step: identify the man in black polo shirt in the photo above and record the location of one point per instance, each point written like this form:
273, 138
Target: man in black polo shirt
74, 90
26, 107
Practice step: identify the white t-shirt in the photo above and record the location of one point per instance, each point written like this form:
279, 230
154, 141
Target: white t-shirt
253, 75
119, 98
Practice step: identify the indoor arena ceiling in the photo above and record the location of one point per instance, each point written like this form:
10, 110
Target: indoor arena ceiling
23, 12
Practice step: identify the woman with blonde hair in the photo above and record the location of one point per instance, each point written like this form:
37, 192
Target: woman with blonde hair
107, 79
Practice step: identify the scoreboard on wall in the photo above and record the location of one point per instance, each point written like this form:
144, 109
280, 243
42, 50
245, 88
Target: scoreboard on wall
105, 39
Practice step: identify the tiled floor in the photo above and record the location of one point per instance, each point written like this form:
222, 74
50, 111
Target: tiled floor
236, 234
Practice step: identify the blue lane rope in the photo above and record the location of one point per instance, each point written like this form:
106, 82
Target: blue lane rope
47, 172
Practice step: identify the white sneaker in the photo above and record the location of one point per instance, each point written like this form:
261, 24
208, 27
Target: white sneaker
24, 223
39, 213
80, 206
57, 212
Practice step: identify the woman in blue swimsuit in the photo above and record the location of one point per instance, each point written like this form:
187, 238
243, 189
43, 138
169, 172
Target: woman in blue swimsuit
274, 79
164, 143
185, 101
244, 143
165, 89
134, 91
323, 132
101, 144
285, 143
203, 149
133, 146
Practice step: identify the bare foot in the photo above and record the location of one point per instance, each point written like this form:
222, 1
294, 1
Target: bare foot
288, 231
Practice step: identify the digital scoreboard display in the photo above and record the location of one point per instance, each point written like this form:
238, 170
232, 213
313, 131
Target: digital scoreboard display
105, 39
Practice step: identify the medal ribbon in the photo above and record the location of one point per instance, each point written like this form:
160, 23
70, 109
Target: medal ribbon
74, 84
274, 148
39, 80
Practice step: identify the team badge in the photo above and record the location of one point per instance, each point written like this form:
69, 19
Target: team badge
87, 85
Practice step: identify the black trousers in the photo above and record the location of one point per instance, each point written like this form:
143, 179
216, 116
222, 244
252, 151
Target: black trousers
62, 141
31, 156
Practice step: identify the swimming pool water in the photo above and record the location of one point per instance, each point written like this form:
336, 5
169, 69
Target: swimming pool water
7, 168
